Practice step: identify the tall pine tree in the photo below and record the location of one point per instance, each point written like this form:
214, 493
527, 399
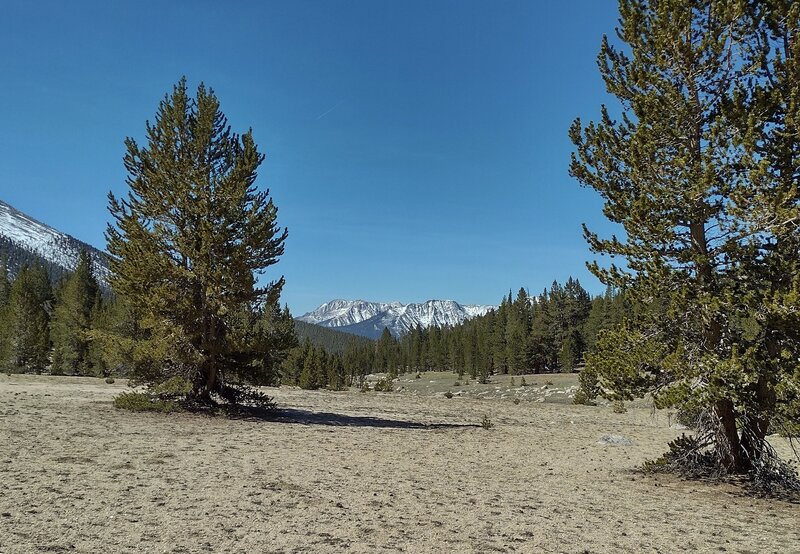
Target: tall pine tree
188, 243
705, 187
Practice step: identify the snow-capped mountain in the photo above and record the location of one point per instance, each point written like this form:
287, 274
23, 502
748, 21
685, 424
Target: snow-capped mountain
369, 318
25, 240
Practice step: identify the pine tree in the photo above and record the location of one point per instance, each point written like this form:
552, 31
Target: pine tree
29, 305
540, 341
187, 244
689, 171
71, 320
5, 284
5, 323
312, 370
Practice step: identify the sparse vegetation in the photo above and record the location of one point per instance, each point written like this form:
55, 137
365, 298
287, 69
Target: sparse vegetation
384, 385
146, 402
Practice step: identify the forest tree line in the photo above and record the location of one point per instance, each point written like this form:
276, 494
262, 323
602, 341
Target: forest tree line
64, 328
72, 326
525, 334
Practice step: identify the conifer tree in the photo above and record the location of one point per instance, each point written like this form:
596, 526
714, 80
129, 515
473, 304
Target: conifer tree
312, 369
30, 302
5, 284
5, 324
71, 320
704, 212
188, 243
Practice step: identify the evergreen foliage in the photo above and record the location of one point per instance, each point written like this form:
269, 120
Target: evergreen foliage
701, 171
187, 244
5, 323
76, 300
523, 335
30, 303
332, 340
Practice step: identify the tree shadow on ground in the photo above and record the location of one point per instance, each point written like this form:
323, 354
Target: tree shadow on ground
308, 417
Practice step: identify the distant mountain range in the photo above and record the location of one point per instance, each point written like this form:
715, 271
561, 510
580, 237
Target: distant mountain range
368, 319
24, 240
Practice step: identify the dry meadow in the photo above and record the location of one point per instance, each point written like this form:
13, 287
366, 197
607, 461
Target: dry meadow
408, 471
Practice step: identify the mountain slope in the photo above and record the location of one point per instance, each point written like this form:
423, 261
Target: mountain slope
333, 340
368, 319
24, 240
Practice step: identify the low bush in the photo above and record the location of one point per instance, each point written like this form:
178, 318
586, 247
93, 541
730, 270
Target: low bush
145, 402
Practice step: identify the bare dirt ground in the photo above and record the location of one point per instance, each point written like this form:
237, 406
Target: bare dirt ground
355, 472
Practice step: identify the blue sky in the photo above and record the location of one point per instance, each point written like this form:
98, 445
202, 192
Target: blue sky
415, 149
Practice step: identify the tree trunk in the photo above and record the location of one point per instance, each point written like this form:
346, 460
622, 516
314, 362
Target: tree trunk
731, 454
729, 447
211, 362
755, 430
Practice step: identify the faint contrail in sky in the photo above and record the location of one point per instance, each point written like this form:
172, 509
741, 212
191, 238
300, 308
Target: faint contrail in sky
323, 114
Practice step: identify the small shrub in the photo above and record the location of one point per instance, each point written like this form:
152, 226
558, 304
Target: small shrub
550, 383
516, 401
364, 387
384, 385
419, 375
110, 380
457, 384
486, 423
448, 394
523, 382
588, 387
582, 398
172, 388
619, 407
144, 402
512, 381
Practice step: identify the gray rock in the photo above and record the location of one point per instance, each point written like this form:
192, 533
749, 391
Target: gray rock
615, 440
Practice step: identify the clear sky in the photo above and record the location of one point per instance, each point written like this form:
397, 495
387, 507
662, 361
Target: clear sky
415, 149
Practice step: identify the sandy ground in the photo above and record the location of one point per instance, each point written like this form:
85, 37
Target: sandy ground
354, 472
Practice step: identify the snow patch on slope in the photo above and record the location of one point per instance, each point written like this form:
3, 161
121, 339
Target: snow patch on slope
369, 318
54, 246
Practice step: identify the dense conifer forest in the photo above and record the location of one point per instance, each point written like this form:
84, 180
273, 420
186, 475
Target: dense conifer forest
73, 328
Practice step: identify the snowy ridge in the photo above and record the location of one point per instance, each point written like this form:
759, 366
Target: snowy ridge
369, 318
53, 246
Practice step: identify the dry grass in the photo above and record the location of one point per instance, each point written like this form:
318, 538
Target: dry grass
354, 472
